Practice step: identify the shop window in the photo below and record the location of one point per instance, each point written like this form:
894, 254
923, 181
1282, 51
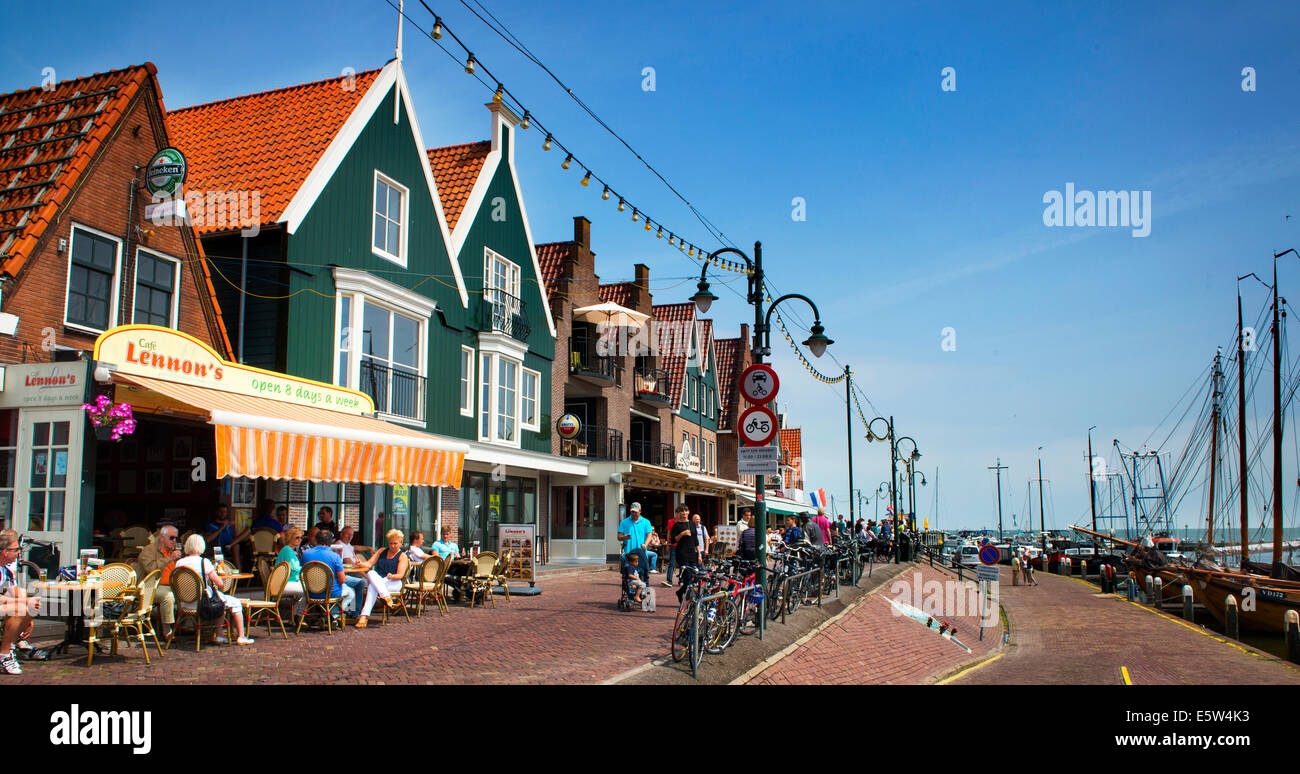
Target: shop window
156, 278
8, 464
49, 476
390, 214
562, 512
92, 280
591, 513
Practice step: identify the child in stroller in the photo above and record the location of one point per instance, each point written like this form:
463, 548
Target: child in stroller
633, 588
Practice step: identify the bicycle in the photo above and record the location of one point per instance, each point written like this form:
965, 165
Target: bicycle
684, 631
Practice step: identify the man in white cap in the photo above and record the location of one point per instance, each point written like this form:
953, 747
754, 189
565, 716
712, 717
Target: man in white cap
634, 532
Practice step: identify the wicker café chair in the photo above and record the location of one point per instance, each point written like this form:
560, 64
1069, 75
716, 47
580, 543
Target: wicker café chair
138, 618
484, 565
268, 608
118, 586
185, 587
318, 581
398, 601
227, 584
428, 584
263, 540
134, 537
499, 572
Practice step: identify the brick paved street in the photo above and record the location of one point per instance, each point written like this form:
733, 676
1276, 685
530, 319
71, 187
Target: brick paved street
572, 633
1065, 632
872, 645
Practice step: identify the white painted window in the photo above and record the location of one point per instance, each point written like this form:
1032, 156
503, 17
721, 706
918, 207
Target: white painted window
528, 414
507, 400
466, 382
93, 264
390, 203
500, 399
501, 288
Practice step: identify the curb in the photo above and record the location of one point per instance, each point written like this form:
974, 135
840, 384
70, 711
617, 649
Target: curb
763, 665
961, 670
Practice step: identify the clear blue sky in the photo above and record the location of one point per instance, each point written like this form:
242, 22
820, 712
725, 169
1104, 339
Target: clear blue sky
924, 207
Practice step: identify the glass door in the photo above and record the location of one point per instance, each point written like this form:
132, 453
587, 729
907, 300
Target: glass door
46, 501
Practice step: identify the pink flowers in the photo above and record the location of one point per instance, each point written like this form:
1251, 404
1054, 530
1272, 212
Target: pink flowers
118, 418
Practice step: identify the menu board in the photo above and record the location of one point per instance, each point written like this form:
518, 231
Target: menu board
728, 535
520, 540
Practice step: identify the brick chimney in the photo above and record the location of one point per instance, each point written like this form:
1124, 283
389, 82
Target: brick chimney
582, 231
641, 298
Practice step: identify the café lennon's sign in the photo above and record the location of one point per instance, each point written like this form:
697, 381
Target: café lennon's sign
44, 384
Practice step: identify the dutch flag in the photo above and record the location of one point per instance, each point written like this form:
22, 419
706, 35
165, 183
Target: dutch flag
818, 498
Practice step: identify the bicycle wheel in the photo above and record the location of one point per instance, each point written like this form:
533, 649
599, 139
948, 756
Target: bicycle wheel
749, 612
777, 589
681, 635
719, 633
793, 594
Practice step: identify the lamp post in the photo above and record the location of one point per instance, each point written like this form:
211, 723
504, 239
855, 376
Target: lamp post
895, 494
880, 492
761, 347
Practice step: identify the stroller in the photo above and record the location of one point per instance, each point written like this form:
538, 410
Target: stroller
627, 600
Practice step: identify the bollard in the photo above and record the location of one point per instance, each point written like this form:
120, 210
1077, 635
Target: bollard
1065, 565
1149, 587
1159, 595
1230, 618
1292, 619
1187, 601
1128, 587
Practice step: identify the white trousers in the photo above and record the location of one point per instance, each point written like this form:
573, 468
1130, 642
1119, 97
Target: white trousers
378, 586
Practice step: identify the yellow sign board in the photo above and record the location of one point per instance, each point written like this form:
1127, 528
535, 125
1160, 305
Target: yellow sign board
168, 355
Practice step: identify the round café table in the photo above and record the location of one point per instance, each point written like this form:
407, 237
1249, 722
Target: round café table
75, 628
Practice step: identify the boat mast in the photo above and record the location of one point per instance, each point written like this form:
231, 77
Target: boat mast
1092, 485
1042, 525
1241, 421
1277, 426
999, 468
1214, 445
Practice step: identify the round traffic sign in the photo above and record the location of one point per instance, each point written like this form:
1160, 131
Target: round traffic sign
759, 383
989, 554
757, 426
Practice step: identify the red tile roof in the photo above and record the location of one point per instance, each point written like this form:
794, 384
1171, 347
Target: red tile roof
792, 450
551, 257
672, 349
455, 170
41, 164
618, 292
727, 352
267, 142
706, 342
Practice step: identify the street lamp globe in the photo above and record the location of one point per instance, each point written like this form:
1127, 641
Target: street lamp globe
817, 342
703, 298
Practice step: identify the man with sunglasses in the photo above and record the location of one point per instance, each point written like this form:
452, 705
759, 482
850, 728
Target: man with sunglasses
15, 607
160, 552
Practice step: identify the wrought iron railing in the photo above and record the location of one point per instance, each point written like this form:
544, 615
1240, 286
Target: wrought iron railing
585, 358
504, 313
651, 384
394, 390
652, 453
594, 443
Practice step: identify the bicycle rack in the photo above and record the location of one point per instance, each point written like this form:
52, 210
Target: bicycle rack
837, 574
696, 652
818, 587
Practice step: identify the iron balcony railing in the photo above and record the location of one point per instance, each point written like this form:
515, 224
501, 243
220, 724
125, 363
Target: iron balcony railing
585, 358
652, 453
395, 391
651, 384
504, 313
594, 443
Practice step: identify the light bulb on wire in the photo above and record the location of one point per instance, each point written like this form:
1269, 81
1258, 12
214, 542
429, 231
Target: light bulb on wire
436, 32
586, 179
547, 145
469, 65
567, 161
604, 195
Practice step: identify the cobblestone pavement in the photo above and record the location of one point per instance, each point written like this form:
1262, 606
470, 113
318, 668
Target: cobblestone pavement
871, 644
571, 633
1065, 632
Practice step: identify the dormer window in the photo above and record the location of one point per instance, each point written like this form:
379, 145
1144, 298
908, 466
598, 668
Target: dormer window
389, 236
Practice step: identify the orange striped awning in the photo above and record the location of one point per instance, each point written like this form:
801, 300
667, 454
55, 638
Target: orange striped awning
265, 438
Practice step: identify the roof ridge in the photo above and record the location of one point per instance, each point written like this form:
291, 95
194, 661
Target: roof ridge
267, 92
459, 145
148, 66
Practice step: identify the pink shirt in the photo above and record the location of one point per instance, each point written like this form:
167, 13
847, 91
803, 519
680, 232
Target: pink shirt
825, 525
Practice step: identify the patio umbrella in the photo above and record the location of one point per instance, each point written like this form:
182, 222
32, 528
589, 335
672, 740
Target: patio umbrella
611, 313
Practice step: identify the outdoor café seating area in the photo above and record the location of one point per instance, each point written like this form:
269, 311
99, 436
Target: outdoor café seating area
107, 603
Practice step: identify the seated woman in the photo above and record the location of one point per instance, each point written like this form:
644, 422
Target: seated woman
193, 559
652, 550
416, 552
289, 555
386, 572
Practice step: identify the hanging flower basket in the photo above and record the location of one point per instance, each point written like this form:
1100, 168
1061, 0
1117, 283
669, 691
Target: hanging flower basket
112, 422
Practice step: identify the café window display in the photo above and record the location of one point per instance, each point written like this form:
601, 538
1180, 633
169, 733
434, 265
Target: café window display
488, 501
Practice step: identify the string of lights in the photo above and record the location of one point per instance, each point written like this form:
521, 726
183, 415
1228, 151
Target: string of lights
503, 95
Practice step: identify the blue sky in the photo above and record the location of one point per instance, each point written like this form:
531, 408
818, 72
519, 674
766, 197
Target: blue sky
924, 206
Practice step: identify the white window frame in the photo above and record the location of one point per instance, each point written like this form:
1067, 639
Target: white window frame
536, 377
468, 355
489, 381
513, 285
114, 294
403, 226
364, 288
135, 282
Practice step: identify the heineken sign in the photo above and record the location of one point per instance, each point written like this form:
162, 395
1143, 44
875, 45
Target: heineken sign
165, 173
